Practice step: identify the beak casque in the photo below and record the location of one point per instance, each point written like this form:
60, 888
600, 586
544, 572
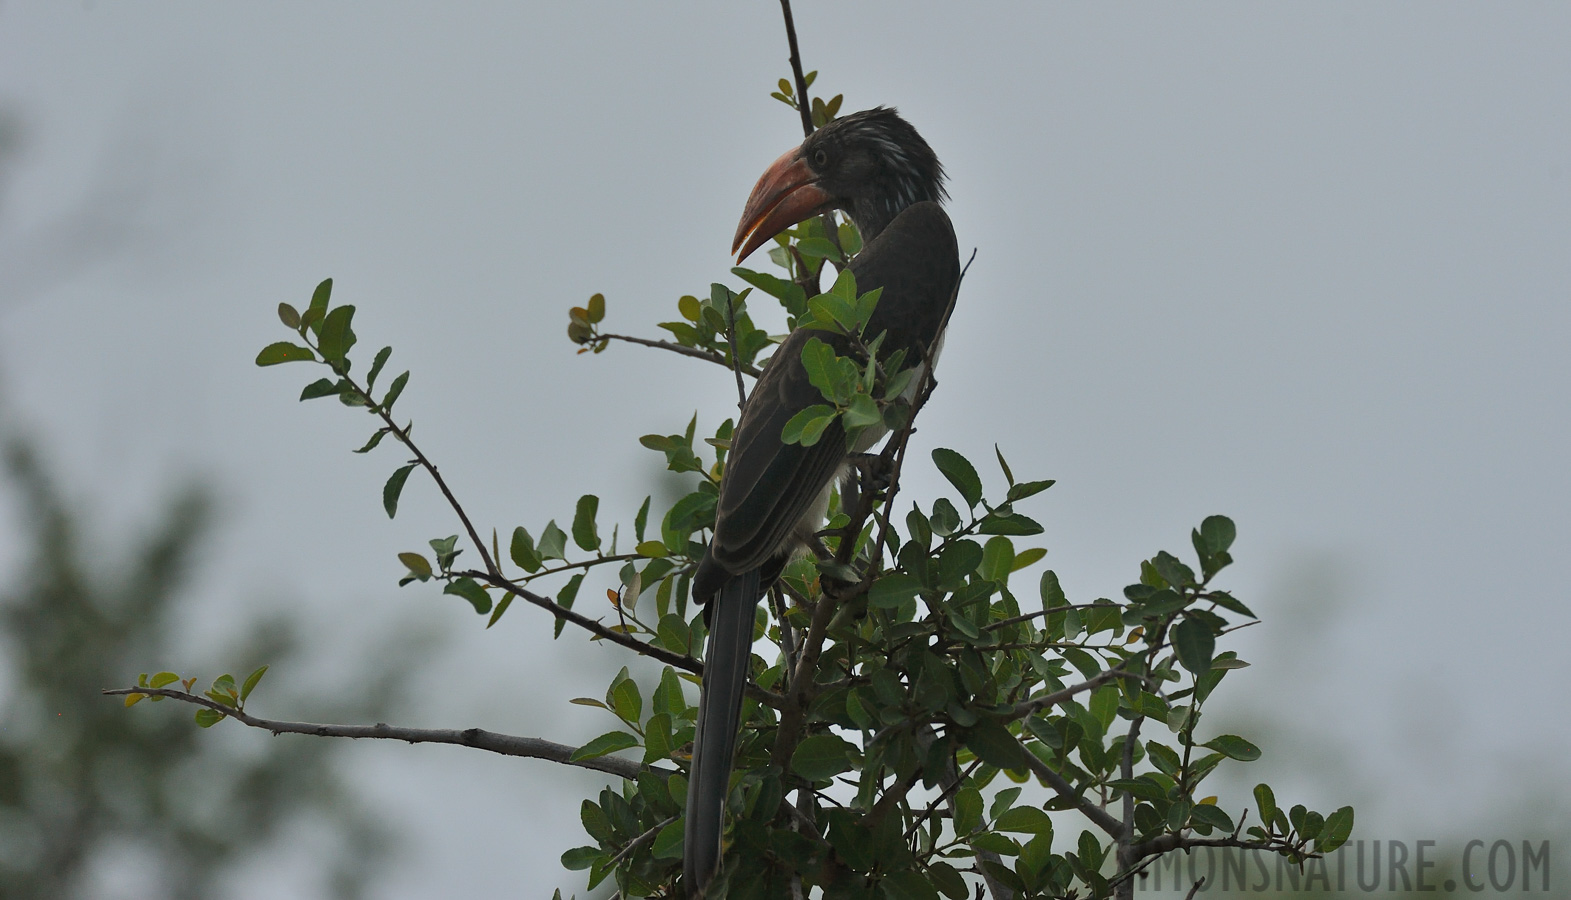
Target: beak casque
787, 193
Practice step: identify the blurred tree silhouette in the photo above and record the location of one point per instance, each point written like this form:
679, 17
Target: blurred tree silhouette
90, 796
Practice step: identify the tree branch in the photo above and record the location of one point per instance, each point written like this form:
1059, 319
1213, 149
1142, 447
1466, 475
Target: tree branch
1169, 842
504, 744
402, 434
768, 698
1060, 785
694, 352
802, 104
1027, 707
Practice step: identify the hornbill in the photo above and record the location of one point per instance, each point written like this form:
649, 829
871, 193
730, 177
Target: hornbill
876, 168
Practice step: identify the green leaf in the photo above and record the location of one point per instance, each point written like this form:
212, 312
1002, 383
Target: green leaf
946, 519
1338, 827
652, 549
283, 352
907, 885
207, 718
1052, 593
821, 757
626, 701
993, 744
522, 550
892, 590
1265, 802
788, 293
584, 534
318, 308
580, 858
322, 387
956, 562
673, 632
669, 842
596, 308
553, 542
1012, 523
1028, 488
610, 742
376, 438
998, 559
863, 412
1218, 532
641, 520
1234, 746
394, 391
336, 335
470, 590
961, 474
968, 810
1195, 644
818, 359
794, 428
376, 367
289, 316
814, 430
394, 487
1008, 475
163, 678
948, 880
1024, 820
1027, 557
250, 682
1210, 815
1104, 704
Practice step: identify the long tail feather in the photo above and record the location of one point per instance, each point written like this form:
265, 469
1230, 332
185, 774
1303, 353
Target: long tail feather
719, 714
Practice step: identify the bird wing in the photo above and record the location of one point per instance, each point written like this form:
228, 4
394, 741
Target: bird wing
769, 485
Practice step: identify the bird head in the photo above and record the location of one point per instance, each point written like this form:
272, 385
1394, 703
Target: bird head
870, 164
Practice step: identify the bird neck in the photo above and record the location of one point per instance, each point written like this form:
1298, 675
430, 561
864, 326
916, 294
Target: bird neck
873, 213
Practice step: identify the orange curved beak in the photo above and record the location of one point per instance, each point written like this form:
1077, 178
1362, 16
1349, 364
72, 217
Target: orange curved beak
784, 195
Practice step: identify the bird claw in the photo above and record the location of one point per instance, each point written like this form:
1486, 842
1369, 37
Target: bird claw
874, 471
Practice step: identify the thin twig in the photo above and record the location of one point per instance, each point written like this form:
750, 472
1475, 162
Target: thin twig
586, 564
637, 842
1016, 620
1027, 707
736, 362
802, 105
402, 434
591, 625
768, 698
504, 744
1169, 842
694, 352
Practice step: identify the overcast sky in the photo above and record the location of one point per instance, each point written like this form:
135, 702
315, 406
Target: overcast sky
1307, 265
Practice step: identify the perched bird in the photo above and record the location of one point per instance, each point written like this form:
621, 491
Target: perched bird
873, 166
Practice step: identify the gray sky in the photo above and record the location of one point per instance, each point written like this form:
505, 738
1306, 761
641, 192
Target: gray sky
1307, 265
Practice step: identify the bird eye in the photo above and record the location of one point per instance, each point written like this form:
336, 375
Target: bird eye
820, 157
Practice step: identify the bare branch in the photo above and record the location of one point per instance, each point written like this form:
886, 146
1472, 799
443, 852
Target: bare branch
1168, 842
582, 621
802, 104
1027, 707
1060, 785
694, 352
768, 698
639, 841
505, 744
